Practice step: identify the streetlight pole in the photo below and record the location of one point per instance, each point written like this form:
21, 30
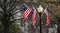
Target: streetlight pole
40, 10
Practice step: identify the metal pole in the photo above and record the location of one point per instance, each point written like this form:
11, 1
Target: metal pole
40, 22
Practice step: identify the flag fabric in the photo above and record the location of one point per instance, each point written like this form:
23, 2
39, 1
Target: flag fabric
47, 17
27, 12
34, 16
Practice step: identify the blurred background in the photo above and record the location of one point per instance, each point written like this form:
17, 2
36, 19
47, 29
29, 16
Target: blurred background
11, 16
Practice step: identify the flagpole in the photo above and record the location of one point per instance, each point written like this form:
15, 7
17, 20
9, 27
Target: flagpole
40, 10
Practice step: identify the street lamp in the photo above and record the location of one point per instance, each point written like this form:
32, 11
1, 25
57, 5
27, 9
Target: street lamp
40, 10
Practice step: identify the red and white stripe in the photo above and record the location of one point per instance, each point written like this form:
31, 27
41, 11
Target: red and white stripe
34, 17
26, 13
47, 17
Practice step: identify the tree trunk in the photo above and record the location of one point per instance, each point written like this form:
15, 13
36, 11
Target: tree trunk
5, 25
6, 28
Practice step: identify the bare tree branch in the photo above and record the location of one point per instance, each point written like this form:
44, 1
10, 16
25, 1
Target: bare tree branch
2, 8
1, 12
14, 20
10, 7
8, 3
4, 1
14, 6
14, 13
15, 10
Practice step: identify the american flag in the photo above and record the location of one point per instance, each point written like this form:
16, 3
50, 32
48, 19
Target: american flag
34, 16
47, 17
27, 12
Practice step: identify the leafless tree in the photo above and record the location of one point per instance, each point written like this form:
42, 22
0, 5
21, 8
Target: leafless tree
7, 11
